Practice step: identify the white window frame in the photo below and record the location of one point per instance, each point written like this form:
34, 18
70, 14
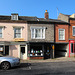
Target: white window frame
64, 34
14, 18
41, 32
72, 30
14, 31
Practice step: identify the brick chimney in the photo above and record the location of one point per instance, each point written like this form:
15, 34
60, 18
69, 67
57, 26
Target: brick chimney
46, 15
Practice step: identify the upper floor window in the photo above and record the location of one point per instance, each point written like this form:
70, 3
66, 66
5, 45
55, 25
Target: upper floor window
17, 32
14, 16
73, 30
0, 32
38, 32
61, 34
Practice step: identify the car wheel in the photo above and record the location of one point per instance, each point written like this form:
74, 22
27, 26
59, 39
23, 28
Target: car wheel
5, 65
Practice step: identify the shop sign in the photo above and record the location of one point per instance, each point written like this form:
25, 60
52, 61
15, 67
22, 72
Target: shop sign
18, 39
71, 41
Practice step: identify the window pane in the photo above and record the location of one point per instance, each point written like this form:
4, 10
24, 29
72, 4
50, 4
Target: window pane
17, 33
38, 33
14, 17
17, 30
0, 35
73, 30
32, 33
43, 33
61, 34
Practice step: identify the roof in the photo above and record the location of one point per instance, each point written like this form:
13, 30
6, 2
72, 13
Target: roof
30, 18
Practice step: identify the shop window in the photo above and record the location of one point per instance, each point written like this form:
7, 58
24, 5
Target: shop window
22, 49
61, 34
36, 51
1, 50
38, 32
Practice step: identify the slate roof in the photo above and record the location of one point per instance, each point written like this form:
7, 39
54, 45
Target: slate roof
29, 18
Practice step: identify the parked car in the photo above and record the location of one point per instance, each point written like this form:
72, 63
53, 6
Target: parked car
6, 62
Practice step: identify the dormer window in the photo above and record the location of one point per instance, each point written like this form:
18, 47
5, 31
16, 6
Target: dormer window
14, 16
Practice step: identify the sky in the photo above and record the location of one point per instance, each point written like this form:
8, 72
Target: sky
37, 7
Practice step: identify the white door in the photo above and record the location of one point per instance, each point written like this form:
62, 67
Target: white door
22, 52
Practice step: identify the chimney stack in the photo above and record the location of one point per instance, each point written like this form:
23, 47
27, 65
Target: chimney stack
46, 15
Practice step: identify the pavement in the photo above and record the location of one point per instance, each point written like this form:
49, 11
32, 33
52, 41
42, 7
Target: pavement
61, 59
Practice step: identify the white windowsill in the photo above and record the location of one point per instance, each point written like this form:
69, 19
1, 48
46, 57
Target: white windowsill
37, 38
62, 40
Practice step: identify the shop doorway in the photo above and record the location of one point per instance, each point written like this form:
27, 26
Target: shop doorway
71, 48
47, 52
22, 52
6, 50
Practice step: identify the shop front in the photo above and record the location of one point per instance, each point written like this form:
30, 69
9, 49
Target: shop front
4, 48
71, 48
40, 51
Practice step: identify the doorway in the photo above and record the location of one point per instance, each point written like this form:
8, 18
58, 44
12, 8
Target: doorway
47, 53
22, 52
71, 48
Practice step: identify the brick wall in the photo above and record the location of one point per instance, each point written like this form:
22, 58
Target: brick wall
72, 23
61, 26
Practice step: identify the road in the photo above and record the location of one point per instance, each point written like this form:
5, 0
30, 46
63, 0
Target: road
45, 68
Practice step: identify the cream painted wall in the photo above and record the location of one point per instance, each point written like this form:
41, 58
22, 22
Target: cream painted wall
73, 15
8, 31
14, 50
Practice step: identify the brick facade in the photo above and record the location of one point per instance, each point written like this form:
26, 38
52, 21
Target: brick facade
61, 26
72, 23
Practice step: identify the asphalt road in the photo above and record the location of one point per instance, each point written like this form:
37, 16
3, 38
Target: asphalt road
45, 68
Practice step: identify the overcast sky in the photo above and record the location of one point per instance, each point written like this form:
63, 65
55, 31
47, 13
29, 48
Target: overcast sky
37, 7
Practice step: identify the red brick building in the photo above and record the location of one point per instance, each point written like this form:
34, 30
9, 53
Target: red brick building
61, 39
71, 20
66, 28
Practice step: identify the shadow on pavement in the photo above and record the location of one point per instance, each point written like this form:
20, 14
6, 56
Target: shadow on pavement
24, 65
